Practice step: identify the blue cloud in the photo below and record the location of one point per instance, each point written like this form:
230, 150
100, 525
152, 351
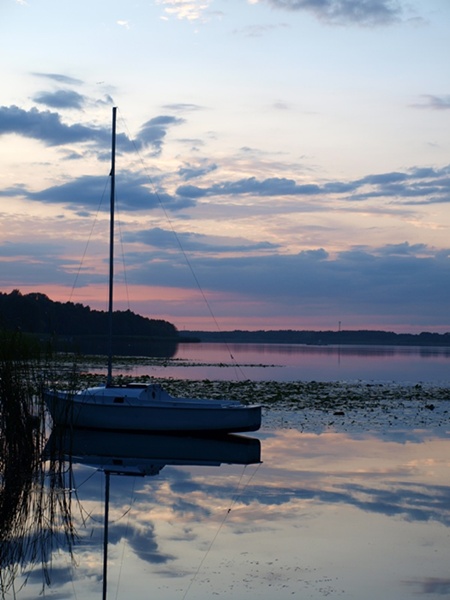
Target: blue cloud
418, 185
433, 102
91, 192
404, 281
194, 242
60, 99
154, 131
59, 78
192, 172
47, 127
279, 186
347, 12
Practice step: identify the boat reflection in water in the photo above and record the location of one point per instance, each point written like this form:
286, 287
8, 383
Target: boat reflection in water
119, 453
146, 454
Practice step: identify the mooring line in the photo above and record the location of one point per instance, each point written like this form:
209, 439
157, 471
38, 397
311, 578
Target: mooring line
228, 511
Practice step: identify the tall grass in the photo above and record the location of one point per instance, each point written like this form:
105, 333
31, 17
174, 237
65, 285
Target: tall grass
33, 512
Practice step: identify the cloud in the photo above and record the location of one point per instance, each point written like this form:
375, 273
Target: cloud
267, 187
87, 192
394, 283
414, 187
403, 249
433, 585
190, 10
192, 242
280, 105
405, 501
383, 178
346, 12
21, 249
418, 185
36, 265
402, 281
48, 128
154, 131
434, 102
183, 107
59, 78
142, 540
60, 99
192, 172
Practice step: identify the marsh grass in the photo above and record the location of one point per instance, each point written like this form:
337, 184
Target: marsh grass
34, 514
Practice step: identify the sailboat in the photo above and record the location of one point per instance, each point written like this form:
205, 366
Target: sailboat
143, 407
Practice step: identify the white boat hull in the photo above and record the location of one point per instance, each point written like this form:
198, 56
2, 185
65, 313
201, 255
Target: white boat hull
149, 408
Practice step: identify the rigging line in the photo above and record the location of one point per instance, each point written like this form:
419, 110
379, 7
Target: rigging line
85, 514
239, 490
185, 256
89, 239
250, 478
228, 511
86, 479
193, 273
194, 577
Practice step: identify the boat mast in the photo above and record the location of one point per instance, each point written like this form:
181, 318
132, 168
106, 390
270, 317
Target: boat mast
111, 245
105, 537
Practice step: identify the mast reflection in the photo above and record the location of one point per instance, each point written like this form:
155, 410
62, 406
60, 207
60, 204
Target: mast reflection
40, 516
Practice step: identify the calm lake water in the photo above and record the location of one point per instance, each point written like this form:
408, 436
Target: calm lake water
285, 362
330, 515
281, 513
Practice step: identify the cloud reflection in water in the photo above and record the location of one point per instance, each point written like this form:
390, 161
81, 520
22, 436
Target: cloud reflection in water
329, 514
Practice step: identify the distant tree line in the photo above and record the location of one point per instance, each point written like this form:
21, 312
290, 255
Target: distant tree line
290, 336
86, 329
77, 327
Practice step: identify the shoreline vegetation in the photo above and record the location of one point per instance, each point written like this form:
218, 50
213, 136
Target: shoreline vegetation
363, 337
73, 327
35, 513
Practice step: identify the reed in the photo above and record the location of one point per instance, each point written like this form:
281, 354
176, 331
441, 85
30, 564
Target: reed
34, 514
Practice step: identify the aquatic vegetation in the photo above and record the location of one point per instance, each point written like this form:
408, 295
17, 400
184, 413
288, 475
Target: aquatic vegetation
312, 405
33, 514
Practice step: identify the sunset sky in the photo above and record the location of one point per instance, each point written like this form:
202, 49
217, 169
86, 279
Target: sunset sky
281, 163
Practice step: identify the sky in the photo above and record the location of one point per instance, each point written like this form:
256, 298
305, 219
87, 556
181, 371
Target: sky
281, 164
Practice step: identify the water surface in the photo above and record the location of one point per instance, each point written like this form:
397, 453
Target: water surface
291, 362
352, 506
337, 515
